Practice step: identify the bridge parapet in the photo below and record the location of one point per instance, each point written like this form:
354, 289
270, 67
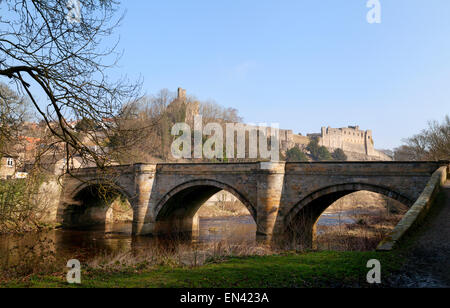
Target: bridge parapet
365, 168
207, 168
305, 168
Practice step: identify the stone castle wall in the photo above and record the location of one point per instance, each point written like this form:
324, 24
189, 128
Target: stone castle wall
357, 144
350, 139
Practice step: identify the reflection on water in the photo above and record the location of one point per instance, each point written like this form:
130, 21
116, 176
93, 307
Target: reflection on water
234, 229
116, 238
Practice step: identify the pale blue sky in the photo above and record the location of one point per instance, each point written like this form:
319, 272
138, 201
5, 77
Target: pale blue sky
301, 63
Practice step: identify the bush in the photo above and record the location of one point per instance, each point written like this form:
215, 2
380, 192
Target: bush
324, 154
313, 148
21, 209
339, 155
318, 153
295, 155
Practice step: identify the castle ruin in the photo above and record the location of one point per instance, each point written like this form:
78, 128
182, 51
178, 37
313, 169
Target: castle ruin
357, 144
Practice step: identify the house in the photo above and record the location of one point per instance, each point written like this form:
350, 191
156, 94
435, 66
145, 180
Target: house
8, 167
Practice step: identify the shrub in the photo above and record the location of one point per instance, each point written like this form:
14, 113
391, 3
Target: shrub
21, 209
313, 148
318, 153
339, 155
324, 154
295, 154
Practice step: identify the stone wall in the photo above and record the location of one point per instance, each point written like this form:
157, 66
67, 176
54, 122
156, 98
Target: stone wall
418, 211
356, 143
377, 156
47, 201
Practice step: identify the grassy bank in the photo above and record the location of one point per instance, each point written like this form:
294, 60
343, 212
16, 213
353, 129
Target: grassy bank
188, 266
311, 269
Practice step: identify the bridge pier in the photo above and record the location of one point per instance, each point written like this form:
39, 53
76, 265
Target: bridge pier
302, 230
269, 191
186, 226
144, 176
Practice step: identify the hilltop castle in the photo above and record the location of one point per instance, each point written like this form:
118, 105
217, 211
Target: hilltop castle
357, 144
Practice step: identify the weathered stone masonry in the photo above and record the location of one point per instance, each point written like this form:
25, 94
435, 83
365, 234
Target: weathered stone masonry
165, 197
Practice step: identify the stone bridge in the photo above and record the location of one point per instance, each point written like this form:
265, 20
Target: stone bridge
279, 196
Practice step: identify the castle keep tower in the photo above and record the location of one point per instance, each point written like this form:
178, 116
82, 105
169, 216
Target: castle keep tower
181, 94
190, 107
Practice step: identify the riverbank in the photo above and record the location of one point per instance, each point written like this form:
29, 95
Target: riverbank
229, 267
238, 266
310, 269
222, 243
223, 209
248, 270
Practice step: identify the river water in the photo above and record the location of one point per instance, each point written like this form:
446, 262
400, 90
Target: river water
117, 237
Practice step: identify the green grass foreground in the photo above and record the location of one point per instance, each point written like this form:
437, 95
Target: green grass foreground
311, 269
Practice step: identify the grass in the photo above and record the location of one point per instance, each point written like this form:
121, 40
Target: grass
284, 270
310, 269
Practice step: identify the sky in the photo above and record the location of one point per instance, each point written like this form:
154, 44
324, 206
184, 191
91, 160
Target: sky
301, 63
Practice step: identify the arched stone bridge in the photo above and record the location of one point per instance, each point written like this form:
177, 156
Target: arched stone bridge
165, 197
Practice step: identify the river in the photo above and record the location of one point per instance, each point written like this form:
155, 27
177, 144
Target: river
118, 238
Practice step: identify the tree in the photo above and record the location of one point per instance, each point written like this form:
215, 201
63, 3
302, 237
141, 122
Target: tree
212, 112
45, 49
318, 153
84, 125
145, 125
143, 132
404, 153
324, 154
313, 148
432, 143
339, 155
296, 155
13, 112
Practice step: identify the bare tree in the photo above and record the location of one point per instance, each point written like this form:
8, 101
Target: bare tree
213, 112
13, 112
145, 125
432, 143
143, 129
405, 153
44, 49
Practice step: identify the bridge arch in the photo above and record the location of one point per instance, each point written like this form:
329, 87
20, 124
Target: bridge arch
98, 182
200, 190
90, 204
176, 210
304, 215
